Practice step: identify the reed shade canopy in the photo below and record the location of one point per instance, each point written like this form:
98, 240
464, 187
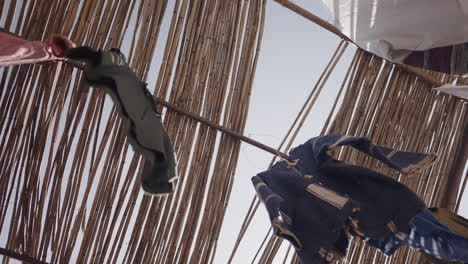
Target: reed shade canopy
69, 187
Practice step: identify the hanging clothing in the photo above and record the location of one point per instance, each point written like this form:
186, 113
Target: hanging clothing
394, 29
313, 201
15, 50
142, 121
429, 235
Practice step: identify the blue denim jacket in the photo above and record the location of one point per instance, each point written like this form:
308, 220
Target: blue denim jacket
312, 200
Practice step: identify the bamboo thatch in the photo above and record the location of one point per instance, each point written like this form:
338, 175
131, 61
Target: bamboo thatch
69, 187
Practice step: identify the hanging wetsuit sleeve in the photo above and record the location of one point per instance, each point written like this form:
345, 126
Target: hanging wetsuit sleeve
403, 161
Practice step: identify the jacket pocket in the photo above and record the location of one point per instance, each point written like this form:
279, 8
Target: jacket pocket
327, 195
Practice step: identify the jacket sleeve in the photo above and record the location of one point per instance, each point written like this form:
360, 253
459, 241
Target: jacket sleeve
403, 161
272, 202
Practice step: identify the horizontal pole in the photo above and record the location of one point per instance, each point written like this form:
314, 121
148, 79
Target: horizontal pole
20, 257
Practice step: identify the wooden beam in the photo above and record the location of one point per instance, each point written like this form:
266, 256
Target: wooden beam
419, 73
20, 257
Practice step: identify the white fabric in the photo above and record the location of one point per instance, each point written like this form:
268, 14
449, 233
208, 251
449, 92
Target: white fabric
394, 28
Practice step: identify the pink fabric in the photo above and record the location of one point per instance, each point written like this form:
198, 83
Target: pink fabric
15, 50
